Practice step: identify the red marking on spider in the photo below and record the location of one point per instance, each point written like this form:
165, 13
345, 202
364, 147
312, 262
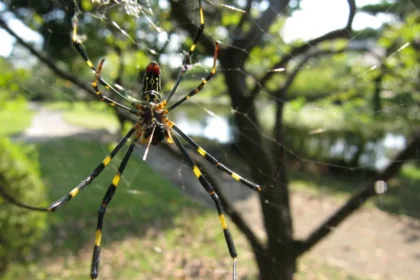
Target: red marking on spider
153, 67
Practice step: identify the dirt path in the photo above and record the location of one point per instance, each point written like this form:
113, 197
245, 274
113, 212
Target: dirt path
370, 243
48, 124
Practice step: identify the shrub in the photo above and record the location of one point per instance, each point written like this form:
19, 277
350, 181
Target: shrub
20, 229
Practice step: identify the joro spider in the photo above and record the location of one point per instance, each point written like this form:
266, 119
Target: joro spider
152, 128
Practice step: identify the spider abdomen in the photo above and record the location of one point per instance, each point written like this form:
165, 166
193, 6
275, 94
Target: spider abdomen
151, 126
159, 136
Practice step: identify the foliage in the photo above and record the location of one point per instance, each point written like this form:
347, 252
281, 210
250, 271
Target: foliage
402, 69
15, 117
20, 229
17, 79
12, 79
398, 8
15, 114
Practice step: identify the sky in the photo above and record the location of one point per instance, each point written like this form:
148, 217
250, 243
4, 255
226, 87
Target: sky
312, 21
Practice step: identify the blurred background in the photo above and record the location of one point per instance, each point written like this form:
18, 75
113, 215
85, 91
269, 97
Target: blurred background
316, 101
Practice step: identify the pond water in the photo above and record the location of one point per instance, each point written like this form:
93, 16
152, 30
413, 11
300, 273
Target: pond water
209, 121
216, 128
215, 122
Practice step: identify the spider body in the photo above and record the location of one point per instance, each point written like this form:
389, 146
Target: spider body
152, 123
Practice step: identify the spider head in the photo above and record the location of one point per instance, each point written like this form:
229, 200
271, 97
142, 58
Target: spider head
151, 83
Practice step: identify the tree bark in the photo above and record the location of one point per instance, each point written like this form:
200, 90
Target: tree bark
278, 260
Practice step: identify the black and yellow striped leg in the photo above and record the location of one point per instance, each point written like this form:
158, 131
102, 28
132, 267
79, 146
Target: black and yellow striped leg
60, 202
215, 162
101, 212
94, 173
203, 82
187, 57
199, 31
103, 98
212, 193
77, 44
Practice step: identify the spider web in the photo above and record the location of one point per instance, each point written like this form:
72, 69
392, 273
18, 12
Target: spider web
313, 144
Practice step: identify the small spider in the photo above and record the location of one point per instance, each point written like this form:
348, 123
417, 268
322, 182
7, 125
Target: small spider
152, 128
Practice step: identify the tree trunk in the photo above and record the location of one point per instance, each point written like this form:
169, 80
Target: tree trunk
277, 219
278, 261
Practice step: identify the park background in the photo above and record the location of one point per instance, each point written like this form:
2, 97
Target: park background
317, 101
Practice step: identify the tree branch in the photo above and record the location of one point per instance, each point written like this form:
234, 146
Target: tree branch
292, 75
339, 33
281, 93
48, 62
238, 28
358, 199
261, 25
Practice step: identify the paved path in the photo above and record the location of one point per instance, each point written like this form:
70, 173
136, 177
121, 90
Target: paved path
369, 243
49, 124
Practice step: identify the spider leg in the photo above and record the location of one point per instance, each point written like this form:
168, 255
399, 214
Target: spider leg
78, 45
101, 211
59, 203
187, 57
104, 98
203, 82
214, 161
206, 185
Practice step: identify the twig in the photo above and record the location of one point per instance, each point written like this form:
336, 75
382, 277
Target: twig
238, 28
281, 93
282, 63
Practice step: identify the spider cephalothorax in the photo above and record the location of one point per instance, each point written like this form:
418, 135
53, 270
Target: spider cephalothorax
152, 125
150, 92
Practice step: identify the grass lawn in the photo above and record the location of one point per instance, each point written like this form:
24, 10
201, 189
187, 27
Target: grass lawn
148, 225
151, 230
15, 117
403, 197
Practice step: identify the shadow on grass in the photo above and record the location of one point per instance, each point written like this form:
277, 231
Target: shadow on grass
143, 199
403, 195
401, 198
